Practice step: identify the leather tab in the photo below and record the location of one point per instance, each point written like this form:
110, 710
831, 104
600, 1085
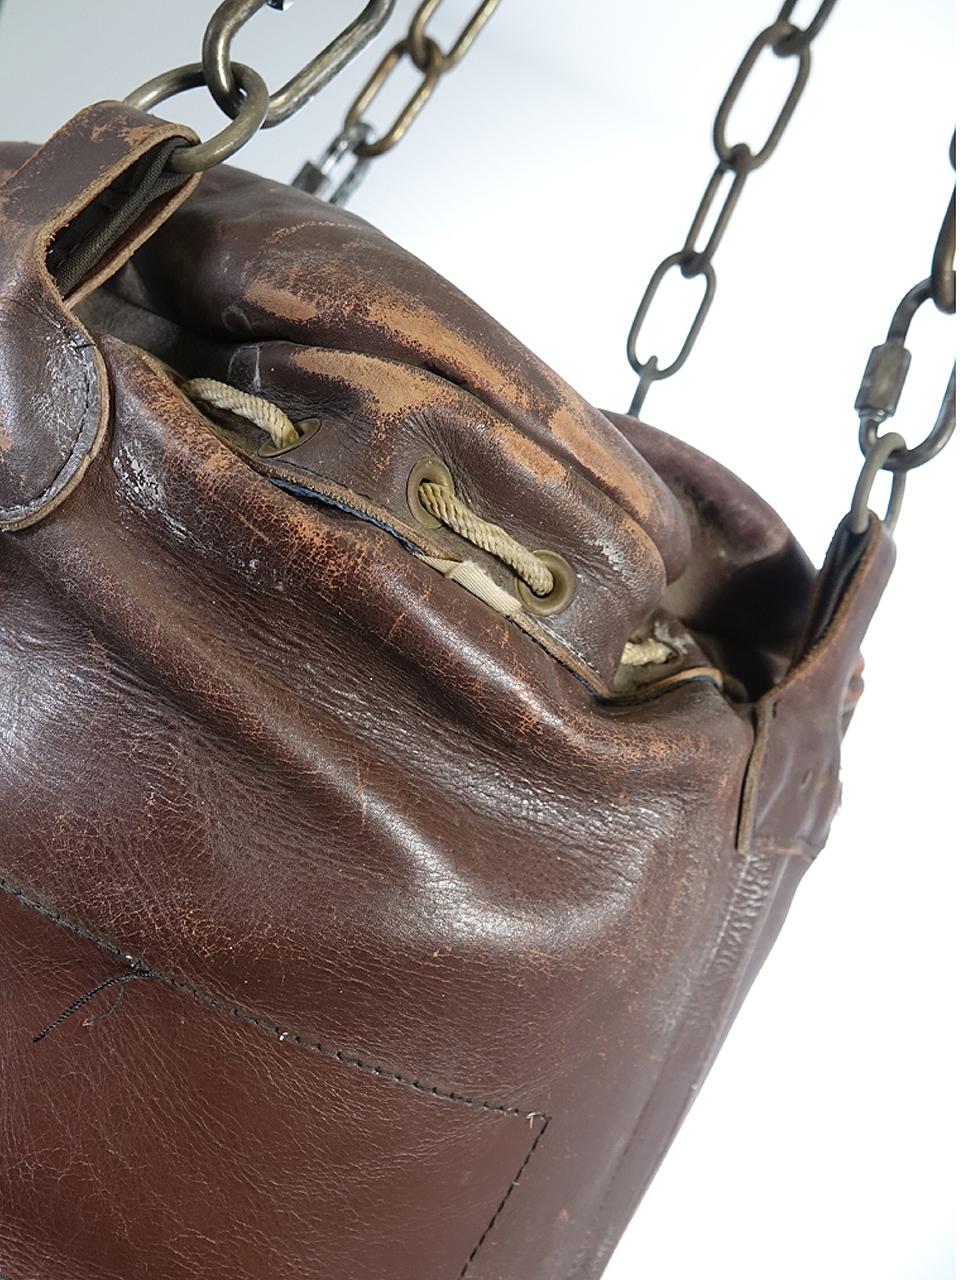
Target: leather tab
53, 388
792, 788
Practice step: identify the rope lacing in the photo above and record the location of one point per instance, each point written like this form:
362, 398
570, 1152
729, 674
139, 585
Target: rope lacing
443, 504
262, 413
438, 499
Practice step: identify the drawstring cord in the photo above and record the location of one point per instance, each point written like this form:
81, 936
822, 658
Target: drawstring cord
440, 500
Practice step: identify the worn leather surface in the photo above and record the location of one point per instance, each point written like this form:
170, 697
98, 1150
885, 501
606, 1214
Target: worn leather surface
430, 934
51, 376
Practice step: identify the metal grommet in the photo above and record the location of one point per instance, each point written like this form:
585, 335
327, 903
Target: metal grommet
436, 472
307, 428
564, 586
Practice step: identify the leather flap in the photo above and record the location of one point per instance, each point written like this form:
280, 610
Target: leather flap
53, 213
792, 787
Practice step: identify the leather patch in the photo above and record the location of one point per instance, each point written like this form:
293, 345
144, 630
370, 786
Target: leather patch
311, 1160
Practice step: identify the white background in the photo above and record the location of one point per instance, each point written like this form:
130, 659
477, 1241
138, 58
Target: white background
549, 175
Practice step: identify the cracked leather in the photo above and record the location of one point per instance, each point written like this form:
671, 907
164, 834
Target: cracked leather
441, 933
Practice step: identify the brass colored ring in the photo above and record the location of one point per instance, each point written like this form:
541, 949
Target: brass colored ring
204, 155
564, 586
436, 472
307, 428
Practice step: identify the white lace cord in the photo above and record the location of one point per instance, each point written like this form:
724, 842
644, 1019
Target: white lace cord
646, 653
443, 504
262, 413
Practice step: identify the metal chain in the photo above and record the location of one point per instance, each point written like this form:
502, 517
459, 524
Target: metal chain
886, 373
240, 91
356, 144
787, 41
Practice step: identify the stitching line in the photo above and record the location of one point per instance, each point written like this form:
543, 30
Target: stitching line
263, 1024
500, 1207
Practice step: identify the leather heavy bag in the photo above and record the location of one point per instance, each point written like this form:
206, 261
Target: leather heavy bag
429, 898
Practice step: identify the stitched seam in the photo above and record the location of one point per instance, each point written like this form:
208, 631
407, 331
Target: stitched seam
284, 1036
263, 1024
500, 1207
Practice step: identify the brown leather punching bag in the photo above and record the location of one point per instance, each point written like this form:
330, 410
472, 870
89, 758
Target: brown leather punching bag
404, 766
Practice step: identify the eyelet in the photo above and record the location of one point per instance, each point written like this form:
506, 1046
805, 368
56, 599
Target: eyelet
564, 586
426, 469
307, 428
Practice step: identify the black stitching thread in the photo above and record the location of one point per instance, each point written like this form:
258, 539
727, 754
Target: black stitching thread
262, 1024
139, 970
118, 980
501, 1206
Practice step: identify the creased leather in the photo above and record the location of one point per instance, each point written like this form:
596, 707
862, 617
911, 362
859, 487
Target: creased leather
51, 376
436, 934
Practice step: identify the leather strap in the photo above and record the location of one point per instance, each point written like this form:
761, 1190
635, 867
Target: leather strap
73, 214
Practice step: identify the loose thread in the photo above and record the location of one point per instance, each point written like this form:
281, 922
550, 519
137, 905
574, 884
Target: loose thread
118, 979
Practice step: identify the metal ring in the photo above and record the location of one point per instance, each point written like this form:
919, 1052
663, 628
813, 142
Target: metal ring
220, 69
409, 112
768, 38
946, 420
204, 155
307, 428
674, 260
562, 592
437, 472
876, 460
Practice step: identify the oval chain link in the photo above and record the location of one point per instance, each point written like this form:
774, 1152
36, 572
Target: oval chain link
785, 40
889, 363
430, 78
218, 66
430, 60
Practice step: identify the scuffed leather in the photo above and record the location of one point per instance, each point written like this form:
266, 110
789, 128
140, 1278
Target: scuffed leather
434, 935
51, 376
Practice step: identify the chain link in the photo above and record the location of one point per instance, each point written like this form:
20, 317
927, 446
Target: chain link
419, 41
231, 15
430, 60
240, 91
943, 272
429, 79
786, 41
889, 363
